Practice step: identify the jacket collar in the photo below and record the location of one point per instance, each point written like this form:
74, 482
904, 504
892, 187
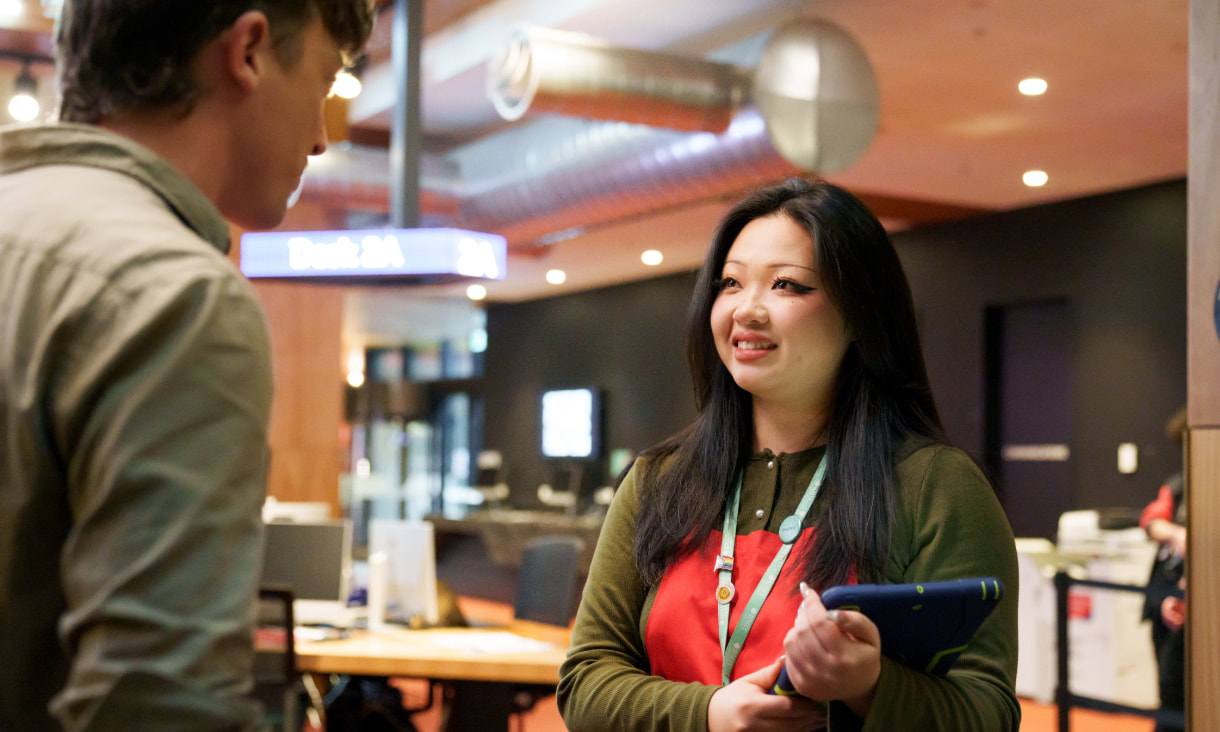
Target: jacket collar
34, 146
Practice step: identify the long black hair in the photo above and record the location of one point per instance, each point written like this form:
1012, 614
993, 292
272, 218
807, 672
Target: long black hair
882, 397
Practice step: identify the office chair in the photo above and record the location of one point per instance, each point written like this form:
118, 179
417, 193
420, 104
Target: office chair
547, 588
548, 580
277, 683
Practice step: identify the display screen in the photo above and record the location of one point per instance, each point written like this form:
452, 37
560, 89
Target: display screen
570, 423
426, 255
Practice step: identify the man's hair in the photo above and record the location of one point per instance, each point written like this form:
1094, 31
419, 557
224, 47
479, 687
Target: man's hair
136, 55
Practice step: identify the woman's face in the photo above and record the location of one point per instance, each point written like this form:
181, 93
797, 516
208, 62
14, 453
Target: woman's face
776, 330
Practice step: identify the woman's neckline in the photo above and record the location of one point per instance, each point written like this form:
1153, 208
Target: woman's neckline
767, 453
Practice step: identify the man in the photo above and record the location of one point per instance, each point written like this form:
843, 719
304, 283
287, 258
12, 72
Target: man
135, 378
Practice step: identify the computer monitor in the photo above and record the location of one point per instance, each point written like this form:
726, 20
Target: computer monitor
311, 559
567, 478
571, 423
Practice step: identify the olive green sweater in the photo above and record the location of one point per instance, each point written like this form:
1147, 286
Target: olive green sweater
950, 525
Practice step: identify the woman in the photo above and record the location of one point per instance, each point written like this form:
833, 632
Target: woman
816, 435
1165, 522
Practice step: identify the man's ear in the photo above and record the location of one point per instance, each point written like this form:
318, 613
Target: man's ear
247, 47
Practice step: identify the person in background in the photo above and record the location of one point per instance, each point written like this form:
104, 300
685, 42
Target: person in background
135, 374
1165, 521
816, 434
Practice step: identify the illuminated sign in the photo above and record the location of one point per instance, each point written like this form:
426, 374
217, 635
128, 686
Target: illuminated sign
415, 254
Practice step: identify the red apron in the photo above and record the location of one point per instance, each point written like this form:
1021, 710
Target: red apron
682, 636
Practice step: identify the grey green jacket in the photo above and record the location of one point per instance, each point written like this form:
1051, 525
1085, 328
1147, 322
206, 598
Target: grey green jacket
950, 525
135, 388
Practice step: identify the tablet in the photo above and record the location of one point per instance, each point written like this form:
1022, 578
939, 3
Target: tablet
925, 625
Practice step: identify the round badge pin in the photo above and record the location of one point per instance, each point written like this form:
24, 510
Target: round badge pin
725, 592
790, 529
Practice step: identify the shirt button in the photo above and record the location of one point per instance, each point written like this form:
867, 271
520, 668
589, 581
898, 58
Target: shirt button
770, 464
759, 513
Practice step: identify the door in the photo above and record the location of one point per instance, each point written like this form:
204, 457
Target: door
1029, 412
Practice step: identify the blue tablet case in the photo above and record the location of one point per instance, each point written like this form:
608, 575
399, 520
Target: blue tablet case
925, 625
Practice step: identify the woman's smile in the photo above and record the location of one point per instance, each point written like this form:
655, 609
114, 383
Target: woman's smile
751, 348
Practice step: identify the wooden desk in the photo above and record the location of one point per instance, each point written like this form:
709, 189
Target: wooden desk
417, 653
479, 685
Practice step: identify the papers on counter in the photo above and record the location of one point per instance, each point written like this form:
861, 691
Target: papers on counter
501, 642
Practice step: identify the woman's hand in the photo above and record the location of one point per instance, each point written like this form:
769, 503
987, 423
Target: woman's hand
1173, 609
833, 655
1173, 612
746, 705
1169, 533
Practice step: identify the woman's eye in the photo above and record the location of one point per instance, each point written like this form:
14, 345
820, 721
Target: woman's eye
725, 282
792, 286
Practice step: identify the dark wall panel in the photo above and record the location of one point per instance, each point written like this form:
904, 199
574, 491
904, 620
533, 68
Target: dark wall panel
627, 341
1118, 259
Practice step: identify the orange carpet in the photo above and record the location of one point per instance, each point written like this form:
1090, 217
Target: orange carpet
1035, 717
544, 717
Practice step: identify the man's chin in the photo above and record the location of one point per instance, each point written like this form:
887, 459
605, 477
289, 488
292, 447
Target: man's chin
262, 220
296, 192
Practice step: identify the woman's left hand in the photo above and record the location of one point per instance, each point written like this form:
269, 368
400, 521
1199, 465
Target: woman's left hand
1173, 609
833, 656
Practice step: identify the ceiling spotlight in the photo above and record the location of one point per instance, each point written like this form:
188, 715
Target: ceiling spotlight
476, 292
1032, 87
23, 105
346, 85
556, 276
1035, 178
652, 257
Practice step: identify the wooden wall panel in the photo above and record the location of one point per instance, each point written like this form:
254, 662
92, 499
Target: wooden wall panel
1203, 627
306, 324
1203, 370
1203, 194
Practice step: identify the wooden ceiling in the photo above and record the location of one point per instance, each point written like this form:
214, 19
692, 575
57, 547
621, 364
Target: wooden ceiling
955, 135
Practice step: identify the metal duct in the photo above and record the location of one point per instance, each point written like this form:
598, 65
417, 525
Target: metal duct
628, 170
547, 180
358, 177
546, 70
816, 89
813, 85
817, 109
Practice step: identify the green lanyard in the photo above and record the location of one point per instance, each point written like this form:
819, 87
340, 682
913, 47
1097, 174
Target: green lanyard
789, 532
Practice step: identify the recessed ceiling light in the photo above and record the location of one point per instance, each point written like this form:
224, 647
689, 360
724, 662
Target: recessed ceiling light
652, 257
1035, 178
1032, 87
476, 292
556, 276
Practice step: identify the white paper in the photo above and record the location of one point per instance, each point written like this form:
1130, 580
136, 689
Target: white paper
497, 642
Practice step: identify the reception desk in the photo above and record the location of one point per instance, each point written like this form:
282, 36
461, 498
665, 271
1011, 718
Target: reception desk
505, 531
